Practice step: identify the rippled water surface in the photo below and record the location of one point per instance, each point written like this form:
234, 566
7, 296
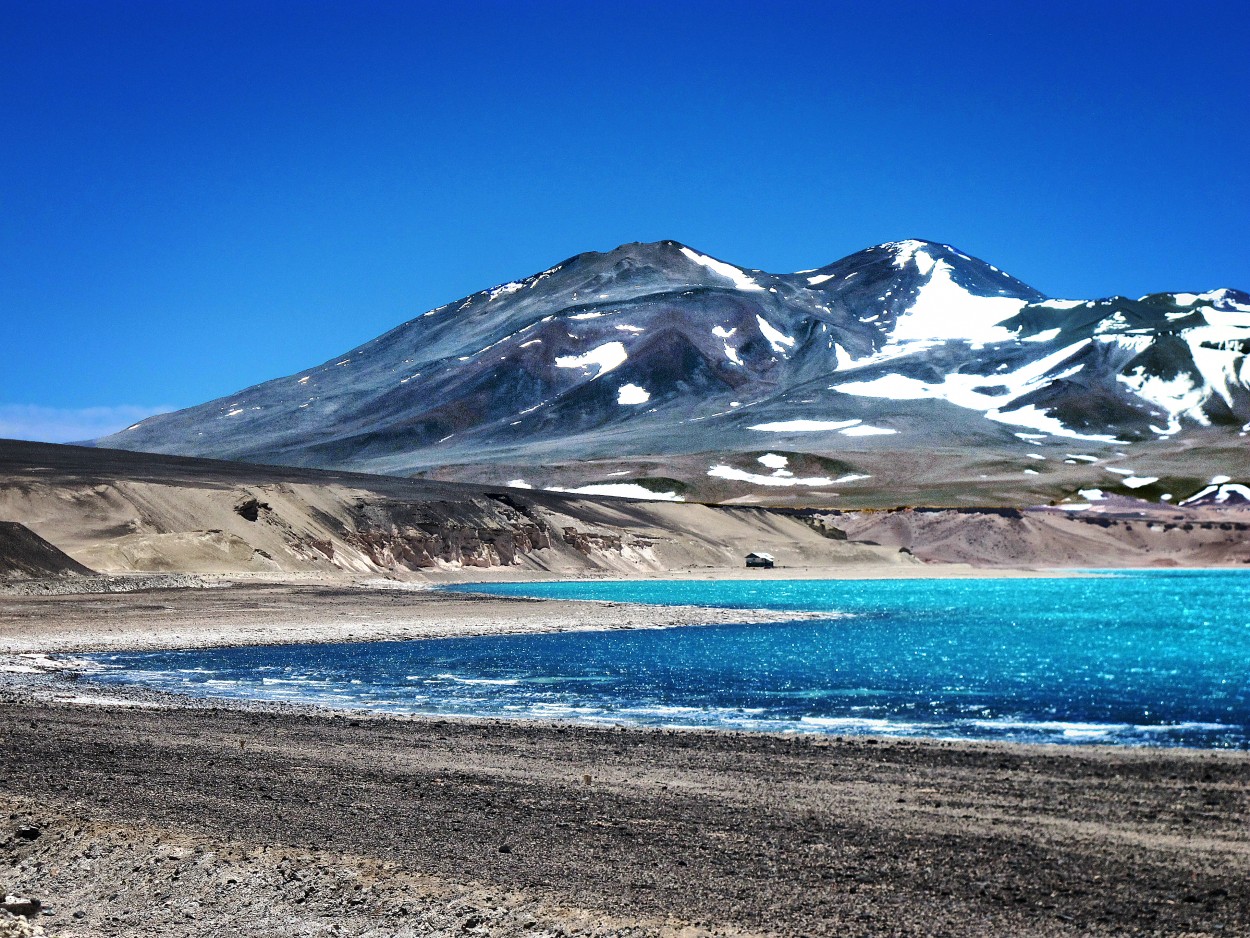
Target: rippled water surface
1158, 658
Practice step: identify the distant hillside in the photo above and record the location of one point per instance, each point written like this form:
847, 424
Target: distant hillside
907, 373
121, 512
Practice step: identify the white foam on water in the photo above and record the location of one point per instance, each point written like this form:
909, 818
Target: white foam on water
504, 682
865, 725
1070, 730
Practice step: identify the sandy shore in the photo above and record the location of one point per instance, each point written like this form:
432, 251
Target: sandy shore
200, 819
268, 613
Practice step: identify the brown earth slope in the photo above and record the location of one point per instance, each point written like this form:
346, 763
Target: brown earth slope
1112, 533
120, 512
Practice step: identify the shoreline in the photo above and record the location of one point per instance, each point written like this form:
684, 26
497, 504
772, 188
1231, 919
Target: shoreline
164, 813
302, 613
115, 618
63, 596
40, 665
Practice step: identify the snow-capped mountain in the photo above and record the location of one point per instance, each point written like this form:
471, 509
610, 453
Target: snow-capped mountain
657, 369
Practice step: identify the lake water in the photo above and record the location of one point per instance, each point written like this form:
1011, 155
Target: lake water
1158, 658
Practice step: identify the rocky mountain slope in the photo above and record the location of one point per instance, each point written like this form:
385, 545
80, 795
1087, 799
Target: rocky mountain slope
908, 372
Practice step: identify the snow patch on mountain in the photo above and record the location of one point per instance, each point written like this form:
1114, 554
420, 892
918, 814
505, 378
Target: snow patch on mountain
630, 394
621, 490
1224, 299
1176, 396
913, 252
990, 394
1031, 416
776, 338
944, 311
775, 480
604, 358
726, 334
941, 313
867, 430
504, 289
803, 426
1221, 494
1047, 335
735, 275
1217, 348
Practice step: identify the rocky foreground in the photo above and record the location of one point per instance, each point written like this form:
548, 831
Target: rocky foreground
199, 821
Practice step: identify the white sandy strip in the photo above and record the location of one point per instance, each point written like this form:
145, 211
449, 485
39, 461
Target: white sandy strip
440, 618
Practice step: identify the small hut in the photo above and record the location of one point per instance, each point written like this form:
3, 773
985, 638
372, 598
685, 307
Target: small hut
760, 559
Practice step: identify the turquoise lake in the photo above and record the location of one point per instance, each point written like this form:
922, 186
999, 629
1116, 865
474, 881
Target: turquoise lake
1159, 658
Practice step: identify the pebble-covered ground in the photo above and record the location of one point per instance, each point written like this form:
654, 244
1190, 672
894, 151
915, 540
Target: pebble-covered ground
195, 821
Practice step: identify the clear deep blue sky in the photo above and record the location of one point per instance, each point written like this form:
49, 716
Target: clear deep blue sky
200, 196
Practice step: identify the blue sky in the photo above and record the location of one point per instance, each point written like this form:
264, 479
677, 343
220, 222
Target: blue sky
200, 196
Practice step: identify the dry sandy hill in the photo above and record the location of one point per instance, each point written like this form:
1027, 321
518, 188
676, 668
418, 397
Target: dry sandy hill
121, 512
117, 512
1114, 533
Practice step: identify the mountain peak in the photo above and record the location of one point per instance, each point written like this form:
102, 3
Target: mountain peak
904, 265
654, 350
1223, 298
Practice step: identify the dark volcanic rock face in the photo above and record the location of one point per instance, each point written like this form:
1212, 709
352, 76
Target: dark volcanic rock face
24, 554
655, 350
